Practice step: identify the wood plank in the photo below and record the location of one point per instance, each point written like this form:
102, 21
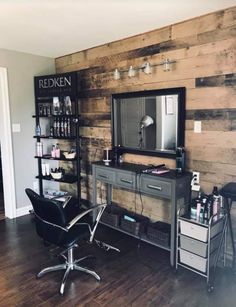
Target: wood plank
217, 80
226, 139
197, 25
215, 114
211, 97
95, 105
123, 87
212, 154
95, 120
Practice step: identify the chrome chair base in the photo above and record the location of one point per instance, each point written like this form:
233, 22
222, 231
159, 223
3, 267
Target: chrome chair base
68, 266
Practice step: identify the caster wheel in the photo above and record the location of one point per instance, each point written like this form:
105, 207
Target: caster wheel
210, 289
175, 271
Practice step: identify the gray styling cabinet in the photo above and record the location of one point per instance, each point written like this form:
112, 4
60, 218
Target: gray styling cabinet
171, 186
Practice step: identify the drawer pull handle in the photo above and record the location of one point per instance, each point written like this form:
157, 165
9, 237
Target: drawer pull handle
154, 187
103, 176
126, 180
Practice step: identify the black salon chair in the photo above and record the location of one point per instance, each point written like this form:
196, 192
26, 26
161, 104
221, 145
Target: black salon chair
54, 224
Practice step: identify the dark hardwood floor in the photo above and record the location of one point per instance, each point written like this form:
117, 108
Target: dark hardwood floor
138, 276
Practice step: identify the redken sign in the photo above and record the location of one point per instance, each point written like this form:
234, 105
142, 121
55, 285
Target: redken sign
55, 85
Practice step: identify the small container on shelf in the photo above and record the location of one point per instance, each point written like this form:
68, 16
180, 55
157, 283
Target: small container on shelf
134, 223
159, 232
69, 155
112, 215
57, 174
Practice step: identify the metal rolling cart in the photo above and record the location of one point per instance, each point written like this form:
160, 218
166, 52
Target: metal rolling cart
198, 245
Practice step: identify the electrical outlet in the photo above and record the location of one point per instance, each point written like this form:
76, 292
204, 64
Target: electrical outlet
196, 178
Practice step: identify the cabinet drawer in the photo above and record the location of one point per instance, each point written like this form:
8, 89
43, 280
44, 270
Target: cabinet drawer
126, 180
106, 175
199, 232
197, 247
155, 187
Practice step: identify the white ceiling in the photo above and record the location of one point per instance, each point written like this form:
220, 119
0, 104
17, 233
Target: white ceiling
57, 27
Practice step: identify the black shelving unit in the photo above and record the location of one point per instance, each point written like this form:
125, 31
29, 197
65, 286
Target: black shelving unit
59, 88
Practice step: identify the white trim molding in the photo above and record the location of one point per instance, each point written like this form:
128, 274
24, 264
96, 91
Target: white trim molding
23, 211
6, 147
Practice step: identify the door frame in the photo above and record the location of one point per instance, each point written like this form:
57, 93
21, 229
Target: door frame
6, 147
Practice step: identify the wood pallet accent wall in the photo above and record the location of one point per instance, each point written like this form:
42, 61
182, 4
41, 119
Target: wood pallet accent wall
205, 52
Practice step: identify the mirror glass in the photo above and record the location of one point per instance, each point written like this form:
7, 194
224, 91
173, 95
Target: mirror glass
150, 122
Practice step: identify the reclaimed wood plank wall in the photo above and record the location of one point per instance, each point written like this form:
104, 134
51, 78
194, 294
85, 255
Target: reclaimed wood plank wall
204, 49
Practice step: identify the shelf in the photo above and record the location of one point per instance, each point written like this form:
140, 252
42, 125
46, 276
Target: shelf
48, 157
64, 111
66, 178
54, 138
142, 237
56, 116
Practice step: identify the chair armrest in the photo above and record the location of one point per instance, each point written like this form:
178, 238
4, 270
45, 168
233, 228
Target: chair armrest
67, 199
99, 209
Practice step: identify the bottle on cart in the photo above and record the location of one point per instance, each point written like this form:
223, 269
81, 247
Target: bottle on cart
216, 201
205, 212
198, 212
180, 159
209, 206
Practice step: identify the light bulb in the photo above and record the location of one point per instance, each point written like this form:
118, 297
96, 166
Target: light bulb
116, 74
147, 68
166, 65
131, 72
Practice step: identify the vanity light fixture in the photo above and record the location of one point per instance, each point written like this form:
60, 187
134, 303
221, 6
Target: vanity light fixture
146, 68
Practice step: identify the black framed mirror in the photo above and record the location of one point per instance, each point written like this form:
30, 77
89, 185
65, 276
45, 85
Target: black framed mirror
149, 122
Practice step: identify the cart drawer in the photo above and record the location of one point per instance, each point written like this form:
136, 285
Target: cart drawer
194, 261
197, 262
106, 175
126, 180
153, 186
199, 232
194, 231
197, 247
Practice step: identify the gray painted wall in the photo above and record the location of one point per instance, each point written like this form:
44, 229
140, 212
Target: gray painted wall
22, 68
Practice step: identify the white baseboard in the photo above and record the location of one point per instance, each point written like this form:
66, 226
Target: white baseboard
23, 211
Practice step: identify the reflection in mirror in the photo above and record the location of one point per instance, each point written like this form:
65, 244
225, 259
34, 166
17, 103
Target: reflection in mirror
151, 122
